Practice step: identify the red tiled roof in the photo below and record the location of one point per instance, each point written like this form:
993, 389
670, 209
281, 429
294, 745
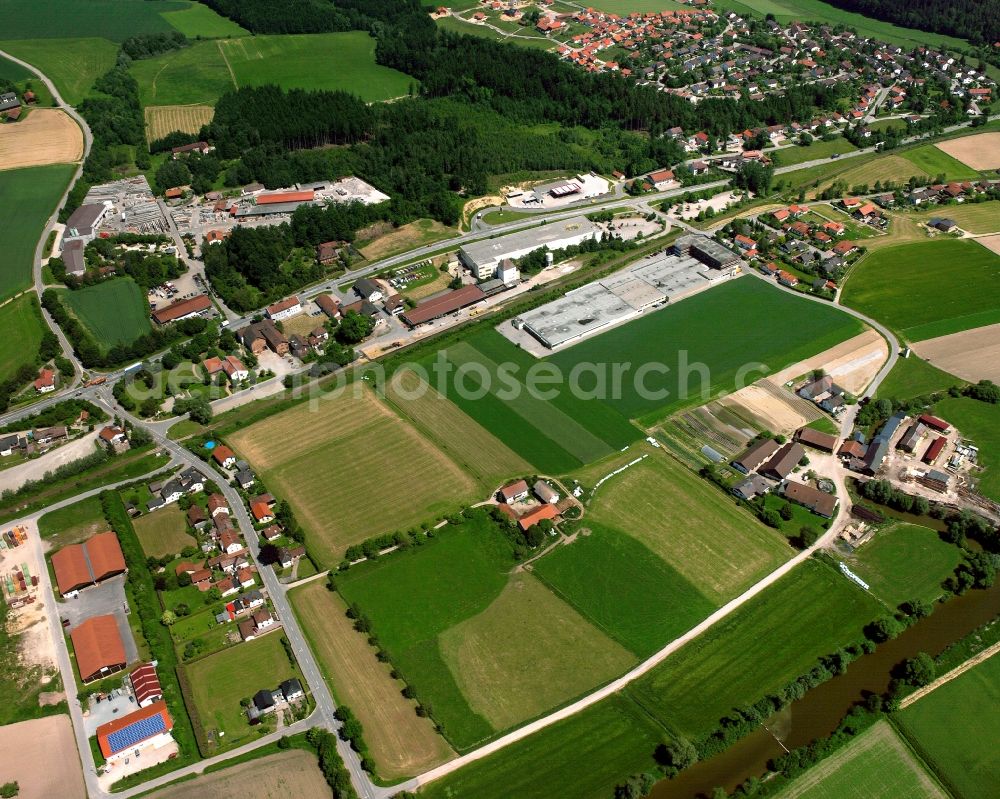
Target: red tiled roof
286, 197
145, 683
97, 644
105, 730
536, 515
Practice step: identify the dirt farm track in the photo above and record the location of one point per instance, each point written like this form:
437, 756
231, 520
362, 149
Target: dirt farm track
49, 741
980, 152
44, 136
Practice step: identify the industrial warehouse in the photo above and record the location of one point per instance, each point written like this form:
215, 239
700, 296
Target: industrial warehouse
693, 263
484, 257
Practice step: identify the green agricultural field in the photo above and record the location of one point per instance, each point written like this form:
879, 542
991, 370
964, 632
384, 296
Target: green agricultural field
218, 683
972, 217
936, 162
626, 7
876, 764
905, 562
110, 19
22, 317
927, 289
623, 588
583, 757
718, 547
914, 377
980, 422
74, 523
818, 149
72, 64
163, 532
955, 729
114, 311
12, 71
27, 199
756, 650
765, 329
199, 21
203, 72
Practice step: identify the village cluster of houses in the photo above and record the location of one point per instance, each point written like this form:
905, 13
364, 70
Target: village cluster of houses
40, 439
934, 194
528, 505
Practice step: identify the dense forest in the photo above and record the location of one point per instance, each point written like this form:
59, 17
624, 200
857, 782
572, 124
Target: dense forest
975, 20
315, 16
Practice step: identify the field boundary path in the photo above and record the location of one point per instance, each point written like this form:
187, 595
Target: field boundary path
958, 671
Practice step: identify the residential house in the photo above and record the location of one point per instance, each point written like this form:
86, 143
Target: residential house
753, 486
817, 501
114, 438
514, 492
46, 381
261, 512
368, 290
230, 542
284, 309
224, 456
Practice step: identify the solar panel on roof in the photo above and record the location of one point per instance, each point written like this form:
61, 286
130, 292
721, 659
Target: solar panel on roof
136, 732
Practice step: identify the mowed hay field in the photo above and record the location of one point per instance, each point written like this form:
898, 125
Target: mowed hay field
401, 742
927, 289
955, 728
976, 218
27, 199
885, 168
44, 136
164, 119
874, 764
773, 638
351, 468
469, 445
163, 532
912, 377
22, 317
294, 773
112, 19
114, 311
701, 533
71, 64
934, 161
979, 152
199, 20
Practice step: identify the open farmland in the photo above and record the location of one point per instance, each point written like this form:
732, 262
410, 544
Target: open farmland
885, 168
955, 729
765, 328
934, 161
72, 64
401, 742
326, 461
980, 422
218, 682
279, 776
12, 71
164, 119
875, 765
196, 75
976, 218
27, 199
199, 21
906, 562
701, 533
927, 289
21, 314
114, 311
972, 355
756, 650
583, 757
623, 588
30, 744
469, 445
163, 532
44, 136
912, 377
110, 19
981, 151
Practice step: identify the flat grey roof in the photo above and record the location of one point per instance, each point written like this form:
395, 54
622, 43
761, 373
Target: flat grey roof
578, 313
526, 240
269, 208
85, 217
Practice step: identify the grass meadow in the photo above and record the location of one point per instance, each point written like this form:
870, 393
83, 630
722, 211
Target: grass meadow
955, 729
874, 764
14, 72
114, 311
352, 468
199, 21
163, 532
401, 742
913, 377
110, 19
972, 217
74, 523
22, 318
927, 289
980, 422
72, 64
935, 161
770, 640
27, 199
906, 561
818, 149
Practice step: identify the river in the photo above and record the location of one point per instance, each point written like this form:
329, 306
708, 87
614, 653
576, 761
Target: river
819, 712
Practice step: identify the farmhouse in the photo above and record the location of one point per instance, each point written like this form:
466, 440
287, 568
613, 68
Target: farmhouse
483, 257
535, 515
78, 566
182, 309
146, 727
98, 647
817, 501
816, 439
145, 684
514, 492
753, 486
783, 461
756, 456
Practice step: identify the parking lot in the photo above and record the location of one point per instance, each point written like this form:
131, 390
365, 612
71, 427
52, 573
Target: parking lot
101, 600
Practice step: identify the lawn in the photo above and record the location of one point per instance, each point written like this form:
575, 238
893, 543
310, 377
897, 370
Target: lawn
979, 421
874, 765
756, 650
27, 199
114, 311
352, 468
818, 149
914, 377
74, 523
163, 532
583, 757
23, 316
401, 742
218, 683
955, 729
503, 217
199, 21
763, 332
111, 19
927, 289
935, 162
972, 217
623, 588
715, 545
72, 64
905, 562
470, 446
204, 71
